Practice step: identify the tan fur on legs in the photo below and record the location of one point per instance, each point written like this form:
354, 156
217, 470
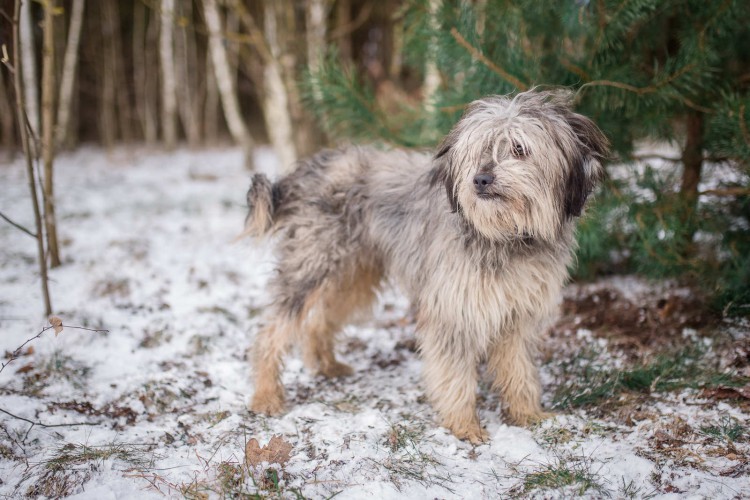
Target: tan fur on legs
451, 383
272, 342
511, 361
337, 304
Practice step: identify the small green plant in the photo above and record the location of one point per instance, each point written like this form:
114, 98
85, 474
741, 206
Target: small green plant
563, 472
408, 461
589, 382
728, 429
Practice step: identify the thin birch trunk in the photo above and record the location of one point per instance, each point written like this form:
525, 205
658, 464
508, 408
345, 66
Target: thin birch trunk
168, 81
276, 103
26, 144
225, 81
187, 87
397, 47
431, 73
211, 108
28, 53
68, 78
145, 71
48, 129
316, 15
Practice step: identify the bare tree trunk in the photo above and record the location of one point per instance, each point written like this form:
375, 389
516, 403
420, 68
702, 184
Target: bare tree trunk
343, 20
187, 88
122, 85
211, 110
431, 73
276, 103
6, 120
107, 106
309, 137
70, 66
225, 82
692, 161
145, 71
315, 17
48, 129
397, 47
31, 94
168, 82
26, 144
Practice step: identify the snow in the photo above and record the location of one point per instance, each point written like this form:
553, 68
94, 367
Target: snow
149, 251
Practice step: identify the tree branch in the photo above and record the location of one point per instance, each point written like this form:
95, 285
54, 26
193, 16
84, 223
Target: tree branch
17, 226
476, 54
17, 351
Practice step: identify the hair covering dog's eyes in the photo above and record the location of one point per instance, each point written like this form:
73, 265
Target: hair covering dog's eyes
518, 150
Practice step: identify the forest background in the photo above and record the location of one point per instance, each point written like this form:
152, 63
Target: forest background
302, 75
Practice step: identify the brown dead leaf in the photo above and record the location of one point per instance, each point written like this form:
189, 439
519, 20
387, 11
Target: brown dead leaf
56, 324
26, 368
277, 451
727, 393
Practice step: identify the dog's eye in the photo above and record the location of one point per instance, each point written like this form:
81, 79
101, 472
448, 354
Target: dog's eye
518, 150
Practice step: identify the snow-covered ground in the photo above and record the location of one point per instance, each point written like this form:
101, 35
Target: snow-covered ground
156, 405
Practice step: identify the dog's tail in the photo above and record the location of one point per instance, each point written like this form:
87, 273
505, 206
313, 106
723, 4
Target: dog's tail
261, 205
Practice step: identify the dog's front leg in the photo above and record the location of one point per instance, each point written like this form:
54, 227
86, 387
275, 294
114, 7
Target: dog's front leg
516, 375
450, 376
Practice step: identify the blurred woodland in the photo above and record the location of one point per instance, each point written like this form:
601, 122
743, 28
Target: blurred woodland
303, 74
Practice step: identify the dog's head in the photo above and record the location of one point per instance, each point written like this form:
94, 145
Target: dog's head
521, 166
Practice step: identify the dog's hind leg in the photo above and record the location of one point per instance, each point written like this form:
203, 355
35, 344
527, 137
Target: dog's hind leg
337, 304
271, 343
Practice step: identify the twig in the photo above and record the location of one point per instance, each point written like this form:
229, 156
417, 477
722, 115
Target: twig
483, 59
17, 226
17, 351
650, 88
40, 424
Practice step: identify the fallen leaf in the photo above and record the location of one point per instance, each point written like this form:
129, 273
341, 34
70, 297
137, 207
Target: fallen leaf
727, 393
56, 324
26, 368
277, 451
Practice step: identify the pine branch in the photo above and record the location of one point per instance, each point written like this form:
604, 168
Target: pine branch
476, 54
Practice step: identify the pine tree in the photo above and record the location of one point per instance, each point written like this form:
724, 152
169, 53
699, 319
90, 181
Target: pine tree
667, 70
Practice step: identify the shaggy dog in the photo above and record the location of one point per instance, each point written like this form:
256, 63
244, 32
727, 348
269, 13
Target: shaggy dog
479, 236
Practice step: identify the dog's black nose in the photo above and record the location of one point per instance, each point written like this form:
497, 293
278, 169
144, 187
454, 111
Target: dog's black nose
482, 181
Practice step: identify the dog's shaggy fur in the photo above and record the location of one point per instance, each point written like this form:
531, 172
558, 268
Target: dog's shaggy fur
483, 266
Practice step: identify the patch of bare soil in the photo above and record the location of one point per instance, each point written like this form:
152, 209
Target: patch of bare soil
645, 320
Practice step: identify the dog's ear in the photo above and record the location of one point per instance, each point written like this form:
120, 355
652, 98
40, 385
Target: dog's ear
586, 170
442, 171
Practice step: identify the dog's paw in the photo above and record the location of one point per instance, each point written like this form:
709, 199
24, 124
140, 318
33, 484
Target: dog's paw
267, 403
530, 419
471, 433
336, 370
